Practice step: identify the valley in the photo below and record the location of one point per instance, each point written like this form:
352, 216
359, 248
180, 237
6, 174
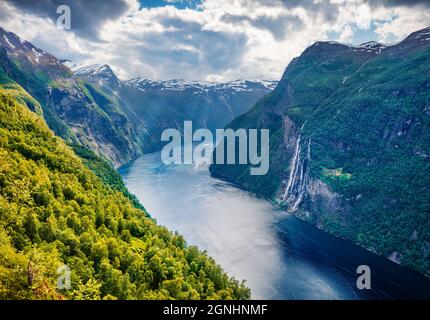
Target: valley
118, 120
280, 256
82, 182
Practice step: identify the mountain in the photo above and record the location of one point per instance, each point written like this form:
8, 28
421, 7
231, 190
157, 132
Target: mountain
63, 206
73, 108
56, 215
31, 57
201, 87
350, 144
153, 106
96, 73
90, 106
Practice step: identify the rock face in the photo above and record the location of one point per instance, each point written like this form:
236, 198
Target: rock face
153, 106
349, 136
293, 189
74, 109
119, 120
105, 131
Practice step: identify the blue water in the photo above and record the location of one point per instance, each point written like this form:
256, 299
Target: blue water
280, 256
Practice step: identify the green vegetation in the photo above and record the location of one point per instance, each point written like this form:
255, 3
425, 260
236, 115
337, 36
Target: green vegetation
22, 97
55, 211
15, 73
72, 108
376, 129
104, 170
366, 118
335, 174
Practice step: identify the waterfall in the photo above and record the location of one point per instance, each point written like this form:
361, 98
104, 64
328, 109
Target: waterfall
298, 177
293, 168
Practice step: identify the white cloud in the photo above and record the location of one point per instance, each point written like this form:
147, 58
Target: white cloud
401, 23
220, 41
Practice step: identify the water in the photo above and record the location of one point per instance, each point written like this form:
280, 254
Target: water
280, 256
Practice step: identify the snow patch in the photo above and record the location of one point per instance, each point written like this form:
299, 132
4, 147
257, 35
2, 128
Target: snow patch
371, 46
8, 42
199, 86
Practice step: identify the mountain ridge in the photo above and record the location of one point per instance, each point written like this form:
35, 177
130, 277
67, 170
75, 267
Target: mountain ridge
349, 145
94, 108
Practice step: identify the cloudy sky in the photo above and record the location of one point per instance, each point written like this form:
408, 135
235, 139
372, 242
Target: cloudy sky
214, 40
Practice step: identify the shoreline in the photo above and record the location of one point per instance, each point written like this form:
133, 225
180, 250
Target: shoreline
271, 201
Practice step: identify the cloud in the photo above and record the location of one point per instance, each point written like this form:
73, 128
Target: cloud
399, 3
87, 17
183, 46
278, 26
325, 8
207, 39
179, 4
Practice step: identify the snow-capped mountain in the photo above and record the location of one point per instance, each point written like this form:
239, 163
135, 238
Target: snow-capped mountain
367, 47
152, 106
103, 73
96, 73
156, 105
422, 35
119, 119
200, 86
28, 54
372, 45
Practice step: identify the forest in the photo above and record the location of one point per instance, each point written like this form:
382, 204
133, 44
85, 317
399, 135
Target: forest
57, 210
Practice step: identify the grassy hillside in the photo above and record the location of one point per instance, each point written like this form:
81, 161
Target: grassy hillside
55, 211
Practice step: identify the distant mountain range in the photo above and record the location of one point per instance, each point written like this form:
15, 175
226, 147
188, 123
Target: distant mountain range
350, 144
120, 120
104, 73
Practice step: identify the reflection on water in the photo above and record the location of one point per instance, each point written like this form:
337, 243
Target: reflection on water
280, 256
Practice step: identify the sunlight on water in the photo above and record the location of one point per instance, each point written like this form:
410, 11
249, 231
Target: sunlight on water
279, 256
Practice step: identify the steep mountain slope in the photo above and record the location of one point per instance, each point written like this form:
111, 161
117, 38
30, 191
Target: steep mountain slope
208, 105
55, 212
350, 144
153, 106
74, 109
115, 119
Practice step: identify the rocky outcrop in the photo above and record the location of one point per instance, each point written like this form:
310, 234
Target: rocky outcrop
105, 131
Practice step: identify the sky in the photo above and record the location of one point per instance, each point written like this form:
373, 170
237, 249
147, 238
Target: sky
210, 40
